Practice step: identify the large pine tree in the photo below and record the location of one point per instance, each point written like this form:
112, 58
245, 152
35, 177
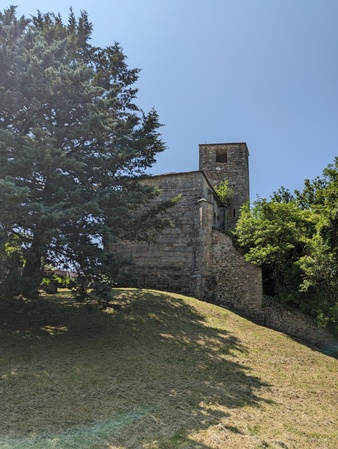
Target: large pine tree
73, 145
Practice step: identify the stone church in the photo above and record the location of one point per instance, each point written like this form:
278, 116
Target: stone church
196, 257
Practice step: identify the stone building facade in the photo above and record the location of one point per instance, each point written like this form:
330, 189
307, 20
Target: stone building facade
195, 256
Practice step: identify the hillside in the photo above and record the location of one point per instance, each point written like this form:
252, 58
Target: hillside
163, 371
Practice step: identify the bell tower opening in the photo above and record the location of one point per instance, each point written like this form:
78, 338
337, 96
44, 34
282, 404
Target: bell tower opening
221, 155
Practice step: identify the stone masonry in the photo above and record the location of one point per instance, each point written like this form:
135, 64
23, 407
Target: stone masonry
195, 256
228, 161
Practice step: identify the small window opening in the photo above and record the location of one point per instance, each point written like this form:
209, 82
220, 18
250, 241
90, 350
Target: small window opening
221, 156
234, 213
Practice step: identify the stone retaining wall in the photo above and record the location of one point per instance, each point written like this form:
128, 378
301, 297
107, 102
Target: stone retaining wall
298, 325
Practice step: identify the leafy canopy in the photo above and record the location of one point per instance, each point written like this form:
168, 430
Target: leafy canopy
224, 192
294, 238
74, 146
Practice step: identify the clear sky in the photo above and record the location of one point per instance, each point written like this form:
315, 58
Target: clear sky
264, 72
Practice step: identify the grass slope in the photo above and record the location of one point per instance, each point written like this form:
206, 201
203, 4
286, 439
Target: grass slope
165, 372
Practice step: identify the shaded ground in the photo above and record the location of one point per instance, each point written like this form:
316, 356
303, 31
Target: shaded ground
163, 372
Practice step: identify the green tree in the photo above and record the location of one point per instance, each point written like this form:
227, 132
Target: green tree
294, 238
273, 235
319, 264
73, 146
225, 192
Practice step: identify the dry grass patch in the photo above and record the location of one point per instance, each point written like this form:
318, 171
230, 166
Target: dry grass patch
164, 372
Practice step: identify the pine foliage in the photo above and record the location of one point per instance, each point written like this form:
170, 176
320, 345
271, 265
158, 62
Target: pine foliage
74, 146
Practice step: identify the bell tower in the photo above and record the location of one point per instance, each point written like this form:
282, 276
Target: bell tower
227, 161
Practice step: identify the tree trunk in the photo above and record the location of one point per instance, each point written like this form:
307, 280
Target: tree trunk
32, 273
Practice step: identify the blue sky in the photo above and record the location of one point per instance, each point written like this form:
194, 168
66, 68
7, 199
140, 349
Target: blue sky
264, 72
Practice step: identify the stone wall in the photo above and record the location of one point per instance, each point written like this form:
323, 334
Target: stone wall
194, 257
181, 255
238, 284
298, 325
228, 161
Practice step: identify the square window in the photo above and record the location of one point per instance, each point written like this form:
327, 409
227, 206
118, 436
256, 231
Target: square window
221, 156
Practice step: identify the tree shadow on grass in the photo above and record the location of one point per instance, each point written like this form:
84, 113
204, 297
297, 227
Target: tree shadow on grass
147, 376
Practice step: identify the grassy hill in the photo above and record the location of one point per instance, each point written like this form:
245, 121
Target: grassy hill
164, 372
